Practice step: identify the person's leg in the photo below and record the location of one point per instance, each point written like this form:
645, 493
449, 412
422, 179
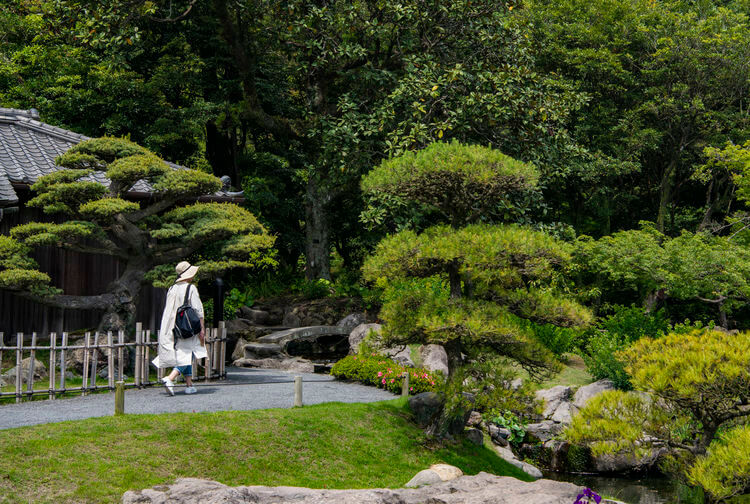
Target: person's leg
173, 374
187, 373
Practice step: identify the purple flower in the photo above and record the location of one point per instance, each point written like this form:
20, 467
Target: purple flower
588, 494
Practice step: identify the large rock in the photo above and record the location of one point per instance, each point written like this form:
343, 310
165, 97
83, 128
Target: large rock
564, 413
426, 407
401, 354
261, 350
359, 333
508, 455
552, 398
543, 431
434, 358
314, 342
74, 358
625, 463
482, 488
40, 371
256, 317
585, 393
351, 321
435, 474
476, 436
239, 349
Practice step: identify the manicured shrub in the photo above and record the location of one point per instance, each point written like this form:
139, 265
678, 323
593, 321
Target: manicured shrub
385, 373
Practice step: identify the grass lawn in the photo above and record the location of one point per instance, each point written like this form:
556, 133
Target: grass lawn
325, 446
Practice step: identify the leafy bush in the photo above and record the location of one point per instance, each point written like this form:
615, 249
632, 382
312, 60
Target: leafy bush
725, 470
616, 332
235, 300
559, 340
511, 422
385, 373
313, 289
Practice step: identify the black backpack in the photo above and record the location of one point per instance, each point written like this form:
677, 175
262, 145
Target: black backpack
187, 323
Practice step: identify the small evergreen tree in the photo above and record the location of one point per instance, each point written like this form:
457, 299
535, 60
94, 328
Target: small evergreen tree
467, 285
149, 237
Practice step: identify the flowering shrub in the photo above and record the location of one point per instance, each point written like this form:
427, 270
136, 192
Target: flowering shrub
382, 372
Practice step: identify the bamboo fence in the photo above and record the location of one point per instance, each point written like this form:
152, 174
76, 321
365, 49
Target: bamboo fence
144, 349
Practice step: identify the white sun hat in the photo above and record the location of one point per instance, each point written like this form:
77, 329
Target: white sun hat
185, 271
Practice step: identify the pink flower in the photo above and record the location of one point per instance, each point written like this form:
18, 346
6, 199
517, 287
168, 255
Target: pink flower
433, 383
389, 370
383, 382
411, 389
380, 373
392, 380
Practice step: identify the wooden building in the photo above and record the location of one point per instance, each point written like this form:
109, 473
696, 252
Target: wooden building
28, 149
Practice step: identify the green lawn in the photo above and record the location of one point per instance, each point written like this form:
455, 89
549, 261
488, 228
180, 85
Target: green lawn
326, 446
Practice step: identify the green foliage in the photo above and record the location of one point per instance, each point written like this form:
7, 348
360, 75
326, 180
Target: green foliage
463, 182
235, 300
559, 340
23, 279
510, 421
14, 254
385, 373
187, 183
615, 333
126, 171
105, 209
106, 150
724, 471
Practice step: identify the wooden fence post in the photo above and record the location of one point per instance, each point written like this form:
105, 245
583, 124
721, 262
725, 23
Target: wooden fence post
405, 385
110, 362
207, 344
19, 359
85, 383
2, 344
216, 349
52, 364
137, 367
160, 370
120, 398
120, 350
223, 352
32, 361
146, 373
95, 360
62, 361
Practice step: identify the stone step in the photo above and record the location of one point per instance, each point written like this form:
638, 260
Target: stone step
313, 342
260, 350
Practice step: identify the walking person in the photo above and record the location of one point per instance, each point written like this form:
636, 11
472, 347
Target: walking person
175, 351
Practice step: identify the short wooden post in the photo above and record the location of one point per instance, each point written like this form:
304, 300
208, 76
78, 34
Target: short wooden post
405, 385
19, 359
207, 345
120, 397
110, 362
63, 348
52, 363
146, 358
137, 367
120, 352
297, 391
85, 383
216, 349
2, 344
32, 361
95, 360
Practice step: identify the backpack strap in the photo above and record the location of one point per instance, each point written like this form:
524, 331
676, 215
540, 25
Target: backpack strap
187, 295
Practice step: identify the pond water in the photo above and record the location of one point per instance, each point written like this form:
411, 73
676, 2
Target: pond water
634, 490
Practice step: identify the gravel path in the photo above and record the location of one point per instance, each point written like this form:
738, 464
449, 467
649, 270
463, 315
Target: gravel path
251, 389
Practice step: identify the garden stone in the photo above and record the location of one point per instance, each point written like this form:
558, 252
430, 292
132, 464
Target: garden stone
257, 317
401, 354
543, 431
295, 365
508, 455
351, 321
434, 358
425, 406
499, 435
74, 358
40, 371
239, 349
625, 462
552, 398
558, 454
516, 384
2, 381
260, 350
422, 478
482, 488
585, 393
310, 342
475, 419
291, 319
238, 327
104, 373
359, 333
564, 413
476, 436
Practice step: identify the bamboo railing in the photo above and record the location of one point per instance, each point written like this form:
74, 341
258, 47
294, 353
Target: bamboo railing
144, 350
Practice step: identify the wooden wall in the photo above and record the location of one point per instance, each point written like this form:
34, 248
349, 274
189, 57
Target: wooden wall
76, 274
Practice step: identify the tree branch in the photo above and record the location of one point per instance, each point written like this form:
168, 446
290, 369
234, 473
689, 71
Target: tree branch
99, 302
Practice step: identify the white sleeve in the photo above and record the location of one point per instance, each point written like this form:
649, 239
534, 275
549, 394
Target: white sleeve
195, 300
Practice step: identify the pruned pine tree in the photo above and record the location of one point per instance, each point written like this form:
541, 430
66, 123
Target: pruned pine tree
149, 236
467, 285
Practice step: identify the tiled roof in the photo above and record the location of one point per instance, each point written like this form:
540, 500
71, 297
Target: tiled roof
28, 149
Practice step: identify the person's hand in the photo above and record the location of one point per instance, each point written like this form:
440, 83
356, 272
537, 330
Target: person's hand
202, 336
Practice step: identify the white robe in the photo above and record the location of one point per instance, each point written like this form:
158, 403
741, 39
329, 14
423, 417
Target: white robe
181, 354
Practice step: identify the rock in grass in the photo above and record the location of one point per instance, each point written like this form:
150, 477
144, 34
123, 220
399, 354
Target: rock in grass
422, 478
476, 436
426, 406
585, 393
40, 371
434, 358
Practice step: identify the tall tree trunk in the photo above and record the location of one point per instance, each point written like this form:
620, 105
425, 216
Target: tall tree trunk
120, 315
665, 195
317, 232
